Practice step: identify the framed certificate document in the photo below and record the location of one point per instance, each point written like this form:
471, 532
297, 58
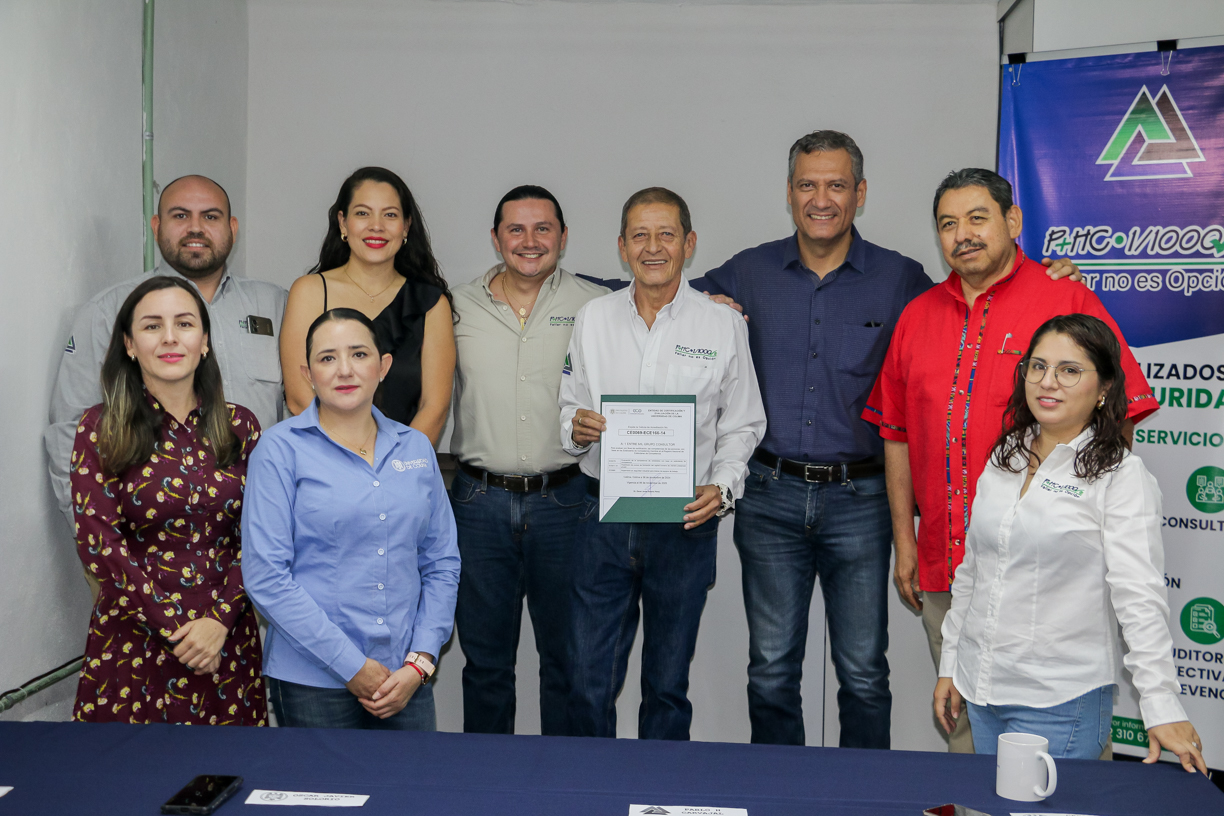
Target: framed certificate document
646, 457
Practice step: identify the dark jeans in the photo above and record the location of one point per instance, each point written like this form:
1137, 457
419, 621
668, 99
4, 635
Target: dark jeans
298, 706
511, 545
787, 531
670, 570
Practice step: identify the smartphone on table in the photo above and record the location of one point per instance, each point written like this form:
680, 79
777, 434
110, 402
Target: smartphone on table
203, 795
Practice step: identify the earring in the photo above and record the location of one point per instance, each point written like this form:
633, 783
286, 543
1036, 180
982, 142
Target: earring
204, 354
380, 379
343, 237
1101, 402
132, 357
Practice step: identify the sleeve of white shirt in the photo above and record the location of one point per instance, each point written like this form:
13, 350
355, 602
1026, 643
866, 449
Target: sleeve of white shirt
962, 591
77, 388
741, 415
574, 393
1134, 568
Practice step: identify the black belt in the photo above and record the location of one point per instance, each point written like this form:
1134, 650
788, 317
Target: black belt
520, 484
820, 471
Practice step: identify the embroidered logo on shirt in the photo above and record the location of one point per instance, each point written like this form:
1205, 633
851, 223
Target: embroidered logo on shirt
696, 353
556, 320
71, 347
1055, 487
566, 367
411, 464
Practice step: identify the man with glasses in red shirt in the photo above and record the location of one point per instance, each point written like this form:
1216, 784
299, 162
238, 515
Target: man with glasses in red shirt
946, 379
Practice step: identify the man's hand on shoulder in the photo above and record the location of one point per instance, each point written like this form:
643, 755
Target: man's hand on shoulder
726, 301
1062, 268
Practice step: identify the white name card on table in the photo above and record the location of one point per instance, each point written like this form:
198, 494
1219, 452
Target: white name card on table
271, 797
684, 810
1051, 814
5, 789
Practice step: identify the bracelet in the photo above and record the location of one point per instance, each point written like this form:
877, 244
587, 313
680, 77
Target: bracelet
419, 671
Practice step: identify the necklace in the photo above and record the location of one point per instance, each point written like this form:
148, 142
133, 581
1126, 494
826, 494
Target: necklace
361, 449
367, 294
522, 310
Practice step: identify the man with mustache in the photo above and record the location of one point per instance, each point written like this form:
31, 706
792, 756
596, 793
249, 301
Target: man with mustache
948, 375
195, 232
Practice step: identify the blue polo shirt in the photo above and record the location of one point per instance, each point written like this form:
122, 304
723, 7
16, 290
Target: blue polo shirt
818, 344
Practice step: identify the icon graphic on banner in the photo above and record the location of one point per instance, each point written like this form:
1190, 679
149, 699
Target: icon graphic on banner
1201, 619
1152, 141
1205, 489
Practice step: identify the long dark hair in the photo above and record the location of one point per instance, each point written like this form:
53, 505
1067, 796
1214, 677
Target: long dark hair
129, 428
415, 259
1103, 453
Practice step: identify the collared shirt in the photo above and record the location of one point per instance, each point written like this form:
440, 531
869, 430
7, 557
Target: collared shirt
250, 363
507, 377
949, 373
344, 559
1048, 577
818, 343
613, 352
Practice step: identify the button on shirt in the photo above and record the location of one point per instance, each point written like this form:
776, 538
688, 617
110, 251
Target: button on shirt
818, 343
1048, 577
613, 352
948, 376
345, 560
507, 377
250, 363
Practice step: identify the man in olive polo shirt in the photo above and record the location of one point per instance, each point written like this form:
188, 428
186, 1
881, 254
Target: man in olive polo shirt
517, 494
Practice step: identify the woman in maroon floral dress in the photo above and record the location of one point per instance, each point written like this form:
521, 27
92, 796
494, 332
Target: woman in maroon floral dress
158, 471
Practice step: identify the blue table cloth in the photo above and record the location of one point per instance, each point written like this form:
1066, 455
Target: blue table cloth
67, 768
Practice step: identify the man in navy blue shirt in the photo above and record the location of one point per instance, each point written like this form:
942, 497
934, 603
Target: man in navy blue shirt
822, 305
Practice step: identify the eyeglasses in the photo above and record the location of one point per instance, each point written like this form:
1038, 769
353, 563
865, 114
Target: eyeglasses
1066, 375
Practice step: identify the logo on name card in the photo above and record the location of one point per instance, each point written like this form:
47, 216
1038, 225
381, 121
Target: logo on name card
1069, 490
411, 464
274, 796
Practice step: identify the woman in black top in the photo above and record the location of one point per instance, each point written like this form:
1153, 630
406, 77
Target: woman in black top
376, 259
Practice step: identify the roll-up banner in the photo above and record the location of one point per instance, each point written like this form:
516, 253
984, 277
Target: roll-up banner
1118, 163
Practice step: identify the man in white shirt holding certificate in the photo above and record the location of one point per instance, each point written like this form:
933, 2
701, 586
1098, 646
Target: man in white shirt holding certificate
658, 337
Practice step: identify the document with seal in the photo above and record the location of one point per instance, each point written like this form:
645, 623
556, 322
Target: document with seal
646, 457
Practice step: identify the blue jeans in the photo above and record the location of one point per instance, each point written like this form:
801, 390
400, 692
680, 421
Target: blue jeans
511, 545
670, 570
1076, 729
787, 532
299, 706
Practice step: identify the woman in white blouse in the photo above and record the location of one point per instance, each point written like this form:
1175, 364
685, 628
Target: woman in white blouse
1064, 546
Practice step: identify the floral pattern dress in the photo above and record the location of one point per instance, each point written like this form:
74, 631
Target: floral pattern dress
164, 541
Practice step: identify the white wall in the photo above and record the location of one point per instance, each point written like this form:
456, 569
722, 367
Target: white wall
70, 216
594, 101
70, 221
1063, 24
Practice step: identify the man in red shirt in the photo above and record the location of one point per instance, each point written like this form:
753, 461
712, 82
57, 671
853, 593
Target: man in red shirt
949, 372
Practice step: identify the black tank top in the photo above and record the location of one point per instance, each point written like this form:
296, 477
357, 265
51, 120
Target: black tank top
400, 329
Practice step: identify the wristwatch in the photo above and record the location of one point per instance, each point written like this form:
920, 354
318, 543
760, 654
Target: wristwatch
728, 500
421, 662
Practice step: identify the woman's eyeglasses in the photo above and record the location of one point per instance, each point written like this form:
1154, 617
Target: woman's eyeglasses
1066, 375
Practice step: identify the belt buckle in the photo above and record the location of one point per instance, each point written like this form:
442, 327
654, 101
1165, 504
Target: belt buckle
526, 486
818, 470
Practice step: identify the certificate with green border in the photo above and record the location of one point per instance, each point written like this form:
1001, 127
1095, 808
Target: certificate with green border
646, 457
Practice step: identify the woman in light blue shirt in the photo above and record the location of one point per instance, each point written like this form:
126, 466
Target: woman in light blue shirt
349, 547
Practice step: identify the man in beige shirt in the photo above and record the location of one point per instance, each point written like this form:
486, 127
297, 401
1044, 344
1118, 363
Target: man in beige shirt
517, 494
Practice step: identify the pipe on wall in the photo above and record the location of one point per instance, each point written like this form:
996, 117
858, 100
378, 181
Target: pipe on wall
146, 64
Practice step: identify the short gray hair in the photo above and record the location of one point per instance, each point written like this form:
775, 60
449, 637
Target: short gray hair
657, 195
825, 141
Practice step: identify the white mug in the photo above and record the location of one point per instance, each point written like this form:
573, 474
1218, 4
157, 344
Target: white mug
1025, 769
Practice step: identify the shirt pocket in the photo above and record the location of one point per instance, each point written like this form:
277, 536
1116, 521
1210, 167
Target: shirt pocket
695, 380
862, 350
260, 355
